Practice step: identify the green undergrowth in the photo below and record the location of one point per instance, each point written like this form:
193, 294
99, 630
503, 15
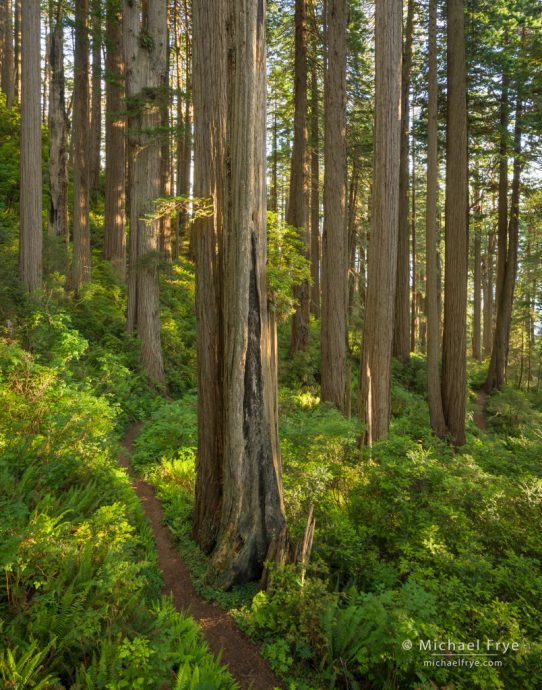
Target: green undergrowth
413, 541
80, 604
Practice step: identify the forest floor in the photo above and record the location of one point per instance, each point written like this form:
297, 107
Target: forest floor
236, 651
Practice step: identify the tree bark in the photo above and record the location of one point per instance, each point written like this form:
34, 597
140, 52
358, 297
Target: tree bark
96, 103
297, 215
210, 119
252, 517
502, 210
488, 294
8, 64
31, 238
115, 145
334, 240
434, 394
401, 332
145, 41
17, 50
315, 195
375, 370
454, 375
477, 287
80, 145
496, 376
58, 152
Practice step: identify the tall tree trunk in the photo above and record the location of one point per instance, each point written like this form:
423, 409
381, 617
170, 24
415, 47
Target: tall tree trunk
415, 304
80, 145
434, 394
502, 223
8, 64
352, 234
315, 195
252, 517
488, 295
166, 248
145, 54
401, 332
17, 49
31, 238
477, 285
375, 370
496, 375
210, 116
274, 192
454, 374
115, 146
96, 104
334, 241
58, 152
184, 123
297, 215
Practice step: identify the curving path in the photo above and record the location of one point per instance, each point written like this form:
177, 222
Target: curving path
238, 653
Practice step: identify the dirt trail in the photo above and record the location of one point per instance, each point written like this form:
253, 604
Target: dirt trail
479, 416
239, 653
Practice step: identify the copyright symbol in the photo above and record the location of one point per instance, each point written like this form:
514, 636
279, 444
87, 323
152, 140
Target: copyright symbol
407, 644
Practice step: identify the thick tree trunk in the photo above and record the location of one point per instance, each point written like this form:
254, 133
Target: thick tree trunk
184, 126
8, 64
31, 238
334, 240
210, 115
454, 375
375, 370
115, 146
252, 518
352, 238
401, 332
58, 152
145, 55
96, 105
315, 195
496, 376
297, 215
80, 147
434, 394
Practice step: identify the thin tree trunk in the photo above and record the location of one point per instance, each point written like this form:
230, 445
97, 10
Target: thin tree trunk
58, 152
80, 146
415, 307
145, 50
375, 370
31, 238
401, 332
297, 215
273, 205
315, 195
502, 224
166, 248
96, 103
252, 521
496, 376
454, 375
488, 295
17, 49
8, 64
334, 241
115, 146
210, 114
477, 286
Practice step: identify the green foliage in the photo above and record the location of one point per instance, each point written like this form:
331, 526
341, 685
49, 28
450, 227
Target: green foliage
81, 605
286, 265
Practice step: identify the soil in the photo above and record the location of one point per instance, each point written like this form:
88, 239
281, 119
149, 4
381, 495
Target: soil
479, 416
238, 652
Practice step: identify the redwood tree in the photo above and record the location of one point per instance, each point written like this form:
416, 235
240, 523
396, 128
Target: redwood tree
31, 238
375, 370
334, 240
454, 372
